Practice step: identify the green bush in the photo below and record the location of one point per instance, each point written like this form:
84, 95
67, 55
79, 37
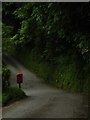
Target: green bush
5, 77
12, 94
0, 98
5, 98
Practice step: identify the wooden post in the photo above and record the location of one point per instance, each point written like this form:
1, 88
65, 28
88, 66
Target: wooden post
19, 85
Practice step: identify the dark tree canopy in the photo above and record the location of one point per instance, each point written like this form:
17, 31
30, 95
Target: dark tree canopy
49, 30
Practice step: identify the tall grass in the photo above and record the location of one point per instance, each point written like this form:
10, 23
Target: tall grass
12, 94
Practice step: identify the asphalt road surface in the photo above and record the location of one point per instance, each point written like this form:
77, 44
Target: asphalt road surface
43, 101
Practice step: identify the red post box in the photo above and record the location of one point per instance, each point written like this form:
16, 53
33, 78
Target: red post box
19, 79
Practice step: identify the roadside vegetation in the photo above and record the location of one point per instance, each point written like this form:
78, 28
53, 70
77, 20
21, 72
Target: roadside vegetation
51, 39
9, 94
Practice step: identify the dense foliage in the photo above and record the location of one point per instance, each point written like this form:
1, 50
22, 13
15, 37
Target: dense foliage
5, 77
54, 38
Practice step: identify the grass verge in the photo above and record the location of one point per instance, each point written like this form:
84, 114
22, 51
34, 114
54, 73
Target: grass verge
12, 94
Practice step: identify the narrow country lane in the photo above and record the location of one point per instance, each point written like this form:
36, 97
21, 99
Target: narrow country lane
43, 101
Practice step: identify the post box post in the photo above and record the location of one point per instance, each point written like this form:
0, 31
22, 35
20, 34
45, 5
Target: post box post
19, 85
